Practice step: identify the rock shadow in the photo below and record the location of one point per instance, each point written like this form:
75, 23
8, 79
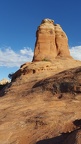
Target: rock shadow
56, 140
77, 123
64, 138
4, 89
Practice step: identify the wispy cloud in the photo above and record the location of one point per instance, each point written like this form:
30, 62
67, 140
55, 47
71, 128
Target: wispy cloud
76, 52
27, 51
10, 58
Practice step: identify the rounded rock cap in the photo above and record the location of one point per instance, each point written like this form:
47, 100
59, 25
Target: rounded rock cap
47, 20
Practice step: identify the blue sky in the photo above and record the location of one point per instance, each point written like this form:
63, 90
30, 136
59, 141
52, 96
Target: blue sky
19, 20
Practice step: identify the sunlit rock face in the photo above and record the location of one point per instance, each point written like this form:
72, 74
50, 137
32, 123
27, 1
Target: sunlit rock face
51, 41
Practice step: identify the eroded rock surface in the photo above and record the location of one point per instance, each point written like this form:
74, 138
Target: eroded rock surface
42, 104
34, 112
51, 41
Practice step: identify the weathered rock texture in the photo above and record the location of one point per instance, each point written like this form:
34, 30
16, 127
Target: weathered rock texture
42, 112
44, 69
51, 41
42, 104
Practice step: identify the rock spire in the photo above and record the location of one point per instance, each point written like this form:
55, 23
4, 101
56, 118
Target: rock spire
51, 41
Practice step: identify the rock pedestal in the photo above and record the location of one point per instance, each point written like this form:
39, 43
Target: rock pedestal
51, 42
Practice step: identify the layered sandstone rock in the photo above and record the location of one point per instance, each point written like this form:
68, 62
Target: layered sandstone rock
51, 41
42, 112
42, 103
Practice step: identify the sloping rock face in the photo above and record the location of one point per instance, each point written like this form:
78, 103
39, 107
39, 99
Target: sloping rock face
42, 103
31, 112
51, 41
44, 69
66, 84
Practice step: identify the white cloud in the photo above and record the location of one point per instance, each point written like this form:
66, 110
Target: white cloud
76, 52
10, 58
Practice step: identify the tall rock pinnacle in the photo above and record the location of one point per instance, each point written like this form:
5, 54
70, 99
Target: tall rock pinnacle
51, 42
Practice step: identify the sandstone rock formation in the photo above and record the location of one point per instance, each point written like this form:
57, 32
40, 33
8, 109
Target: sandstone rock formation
44, 69
51, 41
42, 103
35, 112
